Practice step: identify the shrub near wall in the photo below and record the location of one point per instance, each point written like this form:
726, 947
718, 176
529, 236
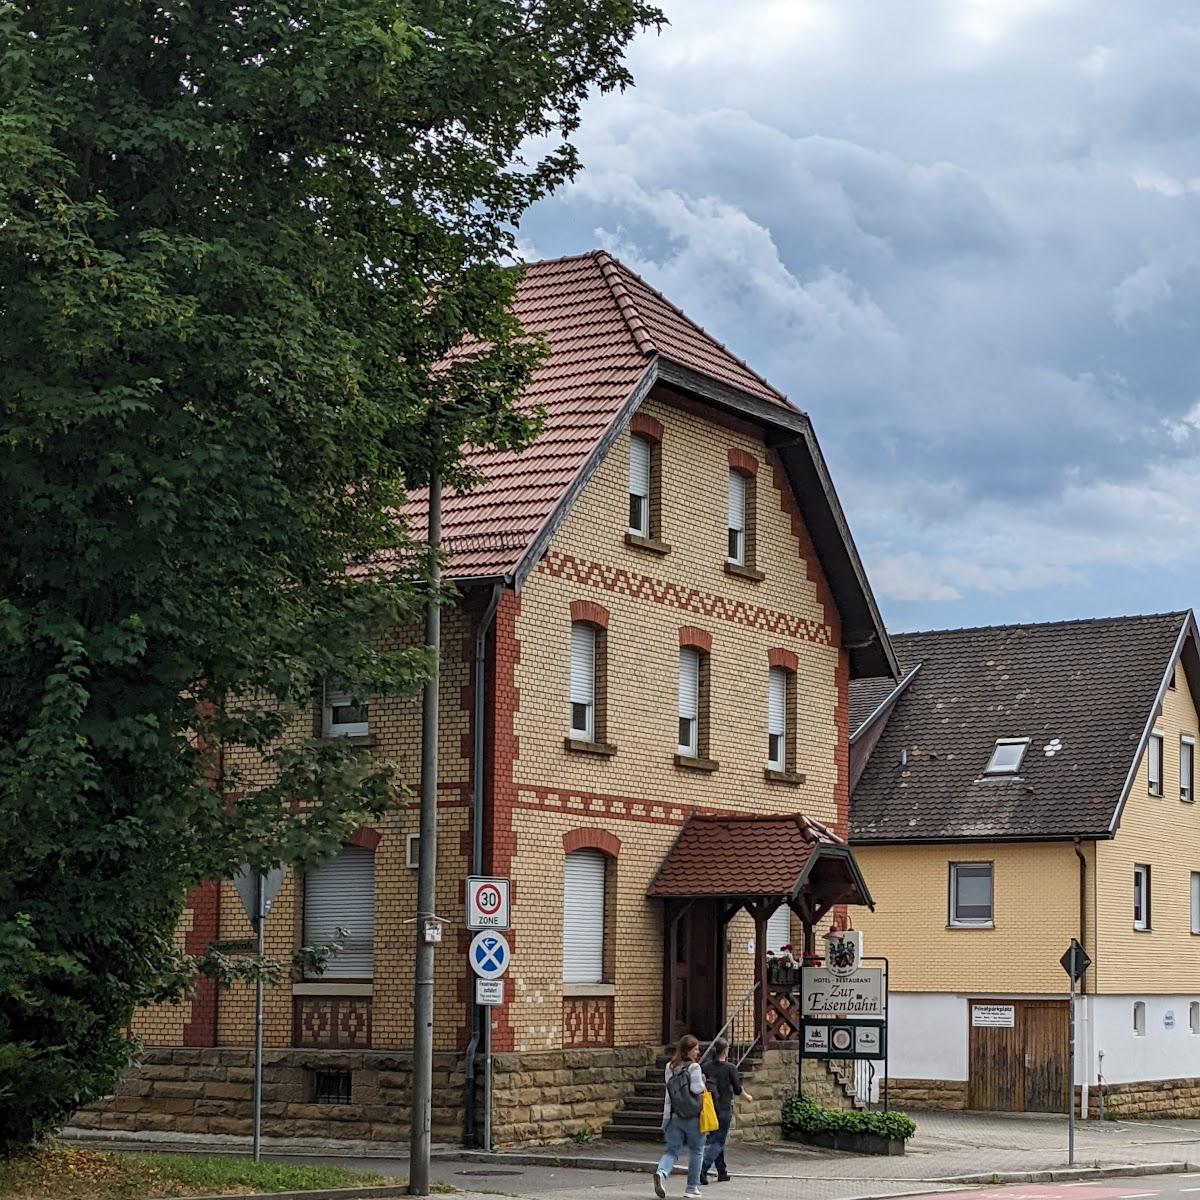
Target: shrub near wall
859, 1132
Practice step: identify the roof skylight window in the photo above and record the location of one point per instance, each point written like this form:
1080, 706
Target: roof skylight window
1006, 757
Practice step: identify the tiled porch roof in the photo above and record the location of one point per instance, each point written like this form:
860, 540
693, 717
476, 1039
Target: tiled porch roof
739, 856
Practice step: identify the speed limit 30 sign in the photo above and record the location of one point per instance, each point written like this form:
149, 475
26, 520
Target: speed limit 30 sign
487, 903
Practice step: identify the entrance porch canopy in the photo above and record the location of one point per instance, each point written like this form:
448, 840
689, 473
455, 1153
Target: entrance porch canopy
720, 865
758, 863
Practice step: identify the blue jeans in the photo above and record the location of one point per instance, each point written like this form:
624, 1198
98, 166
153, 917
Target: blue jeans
680, 1133
714, 1149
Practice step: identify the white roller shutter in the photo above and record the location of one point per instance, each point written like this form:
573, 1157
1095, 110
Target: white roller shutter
689, 683
341, 892
777, 682
583, 676
639, 466
737, 517
583, 917
777, 701
779, 929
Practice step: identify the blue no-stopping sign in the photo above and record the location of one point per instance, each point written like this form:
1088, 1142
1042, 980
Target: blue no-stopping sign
489, 954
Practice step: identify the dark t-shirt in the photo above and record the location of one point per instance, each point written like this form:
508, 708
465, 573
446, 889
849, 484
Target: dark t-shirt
724, 1082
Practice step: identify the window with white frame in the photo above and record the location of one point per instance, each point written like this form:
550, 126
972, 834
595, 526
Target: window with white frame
1187, 767
343, 715
777, 719
340, 893
1139, 1019
1006, 756
583, 681
779, 929
412, 851
640, 467
1195, 902
584, 875
1141, 896
971, 894
1154, 765
736, 548
1194, 1016
689, 702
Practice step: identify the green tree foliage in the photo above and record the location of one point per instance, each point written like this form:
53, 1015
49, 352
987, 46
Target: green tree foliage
236, 242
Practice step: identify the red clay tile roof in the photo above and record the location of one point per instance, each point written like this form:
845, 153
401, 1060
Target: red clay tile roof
605, 327
738, 856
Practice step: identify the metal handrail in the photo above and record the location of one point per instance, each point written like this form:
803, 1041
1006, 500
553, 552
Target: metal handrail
741, 1046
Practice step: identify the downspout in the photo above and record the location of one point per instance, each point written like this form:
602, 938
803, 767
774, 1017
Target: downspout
1083, 989
1082, 909
477, 796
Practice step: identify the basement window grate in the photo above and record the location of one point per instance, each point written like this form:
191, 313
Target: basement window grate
331, 1087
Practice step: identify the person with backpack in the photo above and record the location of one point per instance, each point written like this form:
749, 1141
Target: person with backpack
724, 1082
681, 1117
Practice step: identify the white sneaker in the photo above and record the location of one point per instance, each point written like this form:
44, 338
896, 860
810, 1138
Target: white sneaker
692, 1194
659, 1190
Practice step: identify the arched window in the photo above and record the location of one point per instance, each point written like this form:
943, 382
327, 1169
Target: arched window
341, 893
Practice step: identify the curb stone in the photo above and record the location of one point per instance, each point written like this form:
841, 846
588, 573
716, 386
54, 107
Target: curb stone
358, 1193
636, 1166
1069, 1174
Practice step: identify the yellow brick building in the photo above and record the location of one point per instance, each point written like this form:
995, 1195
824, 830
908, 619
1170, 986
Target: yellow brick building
1023, 786
661, 612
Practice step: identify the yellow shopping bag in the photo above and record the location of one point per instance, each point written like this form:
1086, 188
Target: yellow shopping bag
708, 1113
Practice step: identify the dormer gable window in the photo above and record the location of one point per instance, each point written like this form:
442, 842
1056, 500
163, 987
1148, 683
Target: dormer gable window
1006, 756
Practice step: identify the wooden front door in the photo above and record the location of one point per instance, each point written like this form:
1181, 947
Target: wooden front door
695, 973
1022, 1066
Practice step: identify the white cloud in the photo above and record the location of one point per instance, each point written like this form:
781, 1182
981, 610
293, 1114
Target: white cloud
962, 234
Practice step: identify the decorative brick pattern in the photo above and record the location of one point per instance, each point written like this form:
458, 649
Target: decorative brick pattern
591, 839
777, 656
739, 460
333, 1022
590, 612
696, 639
646, 426
587, 1021
204, 902
625, 582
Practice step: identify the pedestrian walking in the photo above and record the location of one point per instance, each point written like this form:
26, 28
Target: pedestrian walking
681, 1116
725, 1082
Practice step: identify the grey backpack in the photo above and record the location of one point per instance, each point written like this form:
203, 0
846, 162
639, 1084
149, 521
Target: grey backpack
684, 1104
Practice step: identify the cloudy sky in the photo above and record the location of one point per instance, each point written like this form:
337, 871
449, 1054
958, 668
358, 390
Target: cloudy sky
965, 237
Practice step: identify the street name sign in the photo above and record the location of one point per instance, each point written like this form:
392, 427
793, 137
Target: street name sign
487, 903
489, 954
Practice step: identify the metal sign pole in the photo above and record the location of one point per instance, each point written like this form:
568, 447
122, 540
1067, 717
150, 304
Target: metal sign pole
260, 923
1071, 1064
487, 1079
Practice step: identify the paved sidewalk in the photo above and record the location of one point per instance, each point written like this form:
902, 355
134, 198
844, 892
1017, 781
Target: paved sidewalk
948, 1149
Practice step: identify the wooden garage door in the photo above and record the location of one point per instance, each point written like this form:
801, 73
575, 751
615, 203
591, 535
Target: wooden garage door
1020, 1067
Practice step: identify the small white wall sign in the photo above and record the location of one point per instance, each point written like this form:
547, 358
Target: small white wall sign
993, 1016
489, 991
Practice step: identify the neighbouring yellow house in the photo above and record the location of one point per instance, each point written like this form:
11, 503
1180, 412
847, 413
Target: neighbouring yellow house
1021, 786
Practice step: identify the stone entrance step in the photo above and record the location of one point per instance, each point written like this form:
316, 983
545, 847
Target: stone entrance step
639, 1118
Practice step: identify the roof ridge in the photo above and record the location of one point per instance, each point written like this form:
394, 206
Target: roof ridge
1177, 613
620, 266
610, 270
